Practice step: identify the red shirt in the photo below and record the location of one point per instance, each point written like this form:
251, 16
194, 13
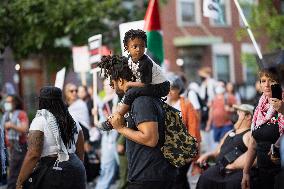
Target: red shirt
23, 118
220, 116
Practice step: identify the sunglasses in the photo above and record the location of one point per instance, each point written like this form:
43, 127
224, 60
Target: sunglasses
73, 90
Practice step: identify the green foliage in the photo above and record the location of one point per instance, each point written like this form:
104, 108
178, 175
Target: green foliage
266, 19
250, 61
34, 26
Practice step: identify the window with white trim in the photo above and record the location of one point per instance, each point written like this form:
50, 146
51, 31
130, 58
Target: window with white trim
222, 67
249, 63
188, 12
223, 62
250, 68
247, 6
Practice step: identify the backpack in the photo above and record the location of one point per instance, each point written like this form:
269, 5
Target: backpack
179, 146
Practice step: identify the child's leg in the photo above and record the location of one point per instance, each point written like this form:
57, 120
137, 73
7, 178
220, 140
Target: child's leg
160, 90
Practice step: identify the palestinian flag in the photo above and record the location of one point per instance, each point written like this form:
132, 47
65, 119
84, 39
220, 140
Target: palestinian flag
152, 28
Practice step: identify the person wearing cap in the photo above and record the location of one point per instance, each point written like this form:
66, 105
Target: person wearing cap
55, 147
230, 154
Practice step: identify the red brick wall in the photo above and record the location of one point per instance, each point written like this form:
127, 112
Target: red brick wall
171, 30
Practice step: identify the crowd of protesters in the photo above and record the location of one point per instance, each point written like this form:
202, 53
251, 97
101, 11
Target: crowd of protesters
239, 144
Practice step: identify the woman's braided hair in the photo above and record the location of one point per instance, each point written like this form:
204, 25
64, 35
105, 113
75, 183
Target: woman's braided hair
132, 34
56, 106
115, 67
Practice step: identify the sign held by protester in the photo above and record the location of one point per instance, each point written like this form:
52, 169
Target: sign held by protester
59, 80
124, 27
81, 59
95, 44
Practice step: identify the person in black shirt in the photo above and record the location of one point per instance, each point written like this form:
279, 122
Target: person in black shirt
144, 131
230, 154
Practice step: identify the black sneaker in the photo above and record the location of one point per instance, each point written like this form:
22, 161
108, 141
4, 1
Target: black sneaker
105, 126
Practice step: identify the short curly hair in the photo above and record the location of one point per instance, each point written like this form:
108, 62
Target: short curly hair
115, 67
271, 73
132, 34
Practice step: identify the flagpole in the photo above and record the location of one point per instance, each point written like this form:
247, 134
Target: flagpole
248, 29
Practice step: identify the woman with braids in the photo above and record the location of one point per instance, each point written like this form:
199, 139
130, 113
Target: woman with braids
150, 80
55, 147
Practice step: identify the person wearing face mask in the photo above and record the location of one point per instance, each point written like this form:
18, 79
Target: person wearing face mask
219, 113
15, 122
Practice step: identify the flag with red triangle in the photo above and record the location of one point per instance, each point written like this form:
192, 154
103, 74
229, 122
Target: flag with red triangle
153, 30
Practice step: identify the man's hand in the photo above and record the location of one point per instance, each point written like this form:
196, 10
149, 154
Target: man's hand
245, 181
117, 121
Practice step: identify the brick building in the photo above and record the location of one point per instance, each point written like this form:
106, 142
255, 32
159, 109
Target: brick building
194, 41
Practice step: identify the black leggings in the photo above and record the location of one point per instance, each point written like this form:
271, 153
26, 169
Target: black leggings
72, 175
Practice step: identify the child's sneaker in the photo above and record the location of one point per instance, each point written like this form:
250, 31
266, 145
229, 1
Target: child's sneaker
105, 126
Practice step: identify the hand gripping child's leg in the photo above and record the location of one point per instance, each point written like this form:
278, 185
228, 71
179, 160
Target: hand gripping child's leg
122, 109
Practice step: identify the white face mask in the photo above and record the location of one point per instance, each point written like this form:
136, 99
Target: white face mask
219, 90
8, 106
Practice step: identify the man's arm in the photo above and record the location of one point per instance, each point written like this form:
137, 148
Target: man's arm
147, 133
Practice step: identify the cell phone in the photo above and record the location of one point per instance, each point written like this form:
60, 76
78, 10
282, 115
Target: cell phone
276, 91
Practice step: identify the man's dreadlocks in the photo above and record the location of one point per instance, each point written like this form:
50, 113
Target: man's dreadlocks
132, 34
115, 67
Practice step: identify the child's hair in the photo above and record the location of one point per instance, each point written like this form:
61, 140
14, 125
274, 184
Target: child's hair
115, 67
132, 34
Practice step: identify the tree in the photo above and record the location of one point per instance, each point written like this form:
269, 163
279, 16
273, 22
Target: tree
267, 18
48, 28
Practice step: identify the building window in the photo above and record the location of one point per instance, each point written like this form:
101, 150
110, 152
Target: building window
225, 17
187, 12
192, 58
222, 67
247, 6
250, 68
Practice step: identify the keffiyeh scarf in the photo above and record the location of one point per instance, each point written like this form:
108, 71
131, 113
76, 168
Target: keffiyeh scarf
264, 113
53, 126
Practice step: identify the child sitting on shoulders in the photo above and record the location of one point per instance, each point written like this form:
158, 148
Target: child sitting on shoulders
150, 79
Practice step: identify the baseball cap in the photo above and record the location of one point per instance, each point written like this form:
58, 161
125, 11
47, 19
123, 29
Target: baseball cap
244, 107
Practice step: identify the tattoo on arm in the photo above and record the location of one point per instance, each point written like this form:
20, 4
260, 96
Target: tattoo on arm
35, 141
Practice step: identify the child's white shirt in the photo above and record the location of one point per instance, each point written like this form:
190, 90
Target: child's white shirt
158, 75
